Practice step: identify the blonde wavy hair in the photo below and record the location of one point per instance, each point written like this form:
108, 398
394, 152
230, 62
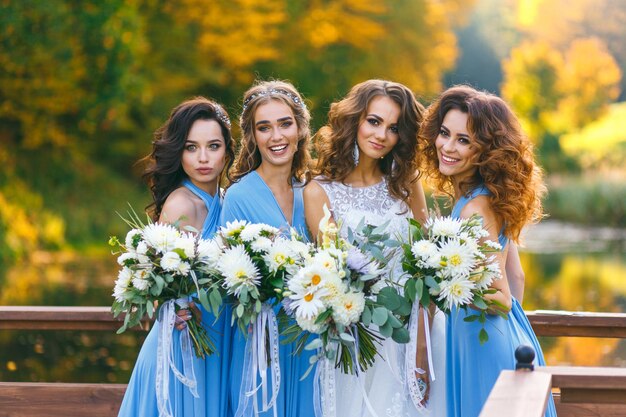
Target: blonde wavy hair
334, 143
505, 162
248, 157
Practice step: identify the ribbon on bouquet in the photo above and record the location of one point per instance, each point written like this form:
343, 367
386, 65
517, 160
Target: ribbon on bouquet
411, 351
325, 399
256, 362
165, 356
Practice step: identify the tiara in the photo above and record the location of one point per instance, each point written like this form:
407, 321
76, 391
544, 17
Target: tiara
272, 92
221, 114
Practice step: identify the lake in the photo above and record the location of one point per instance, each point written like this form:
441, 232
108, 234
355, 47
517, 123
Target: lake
567, 268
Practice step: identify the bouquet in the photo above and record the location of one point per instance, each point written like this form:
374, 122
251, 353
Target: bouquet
163, 264
339, 292
449, 265
252, 261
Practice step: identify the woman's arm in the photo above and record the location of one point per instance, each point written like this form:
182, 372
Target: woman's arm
417, 201
515, 273
314, 199
480, 205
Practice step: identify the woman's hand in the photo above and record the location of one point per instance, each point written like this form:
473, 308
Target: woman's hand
182, 316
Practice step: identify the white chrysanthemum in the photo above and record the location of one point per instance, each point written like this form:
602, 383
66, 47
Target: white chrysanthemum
456, 259
251, 232
278, 255
187, 243
232, 228
358, 261
141, 284
309, 325
308, 304
124, 277
142, 248
120, 292
121, 260
262, 244
161, 237
444, 227
423, 249
238, 270
493, 245
130, 237
348, 308
170, 261
209, 251
300, 249
183, 268
456, 292
489, 273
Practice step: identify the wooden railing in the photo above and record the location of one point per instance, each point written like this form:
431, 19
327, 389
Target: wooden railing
583, 391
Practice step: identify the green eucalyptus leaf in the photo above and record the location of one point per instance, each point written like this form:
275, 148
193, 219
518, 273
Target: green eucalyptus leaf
401, 335
379, 316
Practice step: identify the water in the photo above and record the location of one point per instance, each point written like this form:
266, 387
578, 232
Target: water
567, 268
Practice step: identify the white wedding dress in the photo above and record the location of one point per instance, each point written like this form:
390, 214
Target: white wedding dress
384, 382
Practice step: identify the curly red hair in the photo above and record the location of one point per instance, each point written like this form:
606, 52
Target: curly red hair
505, 164
334, 142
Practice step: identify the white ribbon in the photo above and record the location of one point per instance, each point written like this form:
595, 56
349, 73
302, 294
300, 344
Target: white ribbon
256, 361
411, 352
165, 357
324, 397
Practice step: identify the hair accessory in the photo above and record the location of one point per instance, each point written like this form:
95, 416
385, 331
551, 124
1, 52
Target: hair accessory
221, 114
272, 92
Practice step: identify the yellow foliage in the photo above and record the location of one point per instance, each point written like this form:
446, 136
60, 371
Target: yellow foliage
21, 235
600, 141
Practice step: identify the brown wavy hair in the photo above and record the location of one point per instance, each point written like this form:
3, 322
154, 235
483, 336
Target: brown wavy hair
164, 170
334, 142
249, 157
505, 156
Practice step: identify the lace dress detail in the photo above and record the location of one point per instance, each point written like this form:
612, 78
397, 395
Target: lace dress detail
384, 381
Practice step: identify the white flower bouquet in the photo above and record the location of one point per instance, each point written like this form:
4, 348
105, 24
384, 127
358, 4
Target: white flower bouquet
252, 261
163, 264
337, 295
449, 264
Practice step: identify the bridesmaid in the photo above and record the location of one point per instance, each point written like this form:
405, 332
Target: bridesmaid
366, 169
476, 152
268, 174
189, 155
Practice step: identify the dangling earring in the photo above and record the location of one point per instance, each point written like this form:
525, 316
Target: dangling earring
355, 153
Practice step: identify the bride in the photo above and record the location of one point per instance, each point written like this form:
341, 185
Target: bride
366, 168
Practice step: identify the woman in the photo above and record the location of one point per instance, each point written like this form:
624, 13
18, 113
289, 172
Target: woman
367, 169
267, 175
189, 155
476, 152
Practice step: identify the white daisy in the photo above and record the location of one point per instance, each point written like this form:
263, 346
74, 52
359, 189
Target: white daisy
308, 304
160, 236
238, 270
456, 292
278, 255
326, 260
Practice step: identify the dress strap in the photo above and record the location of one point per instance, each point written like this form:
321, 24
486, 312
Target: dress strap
213, 206
466, 198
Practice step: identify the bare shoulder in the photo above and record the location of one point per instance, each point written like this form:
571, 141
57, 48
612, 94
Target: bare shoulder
182, 205
482, 206
313, 191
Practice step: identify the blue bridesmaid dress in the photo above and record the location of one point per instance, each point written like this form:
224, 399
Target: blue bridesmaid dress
211, 373
472, 368
252, 200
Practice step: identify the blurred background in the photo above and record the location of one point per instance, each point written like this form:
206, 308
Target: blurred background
84, 84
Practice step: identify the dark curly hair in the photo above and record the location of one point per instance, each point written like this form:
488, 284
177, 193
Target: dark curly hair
334, 142
164, 172
505, 164
249, 157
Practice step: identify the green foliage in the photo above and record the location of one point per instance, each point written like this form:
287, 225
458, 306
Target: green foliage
600, 200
